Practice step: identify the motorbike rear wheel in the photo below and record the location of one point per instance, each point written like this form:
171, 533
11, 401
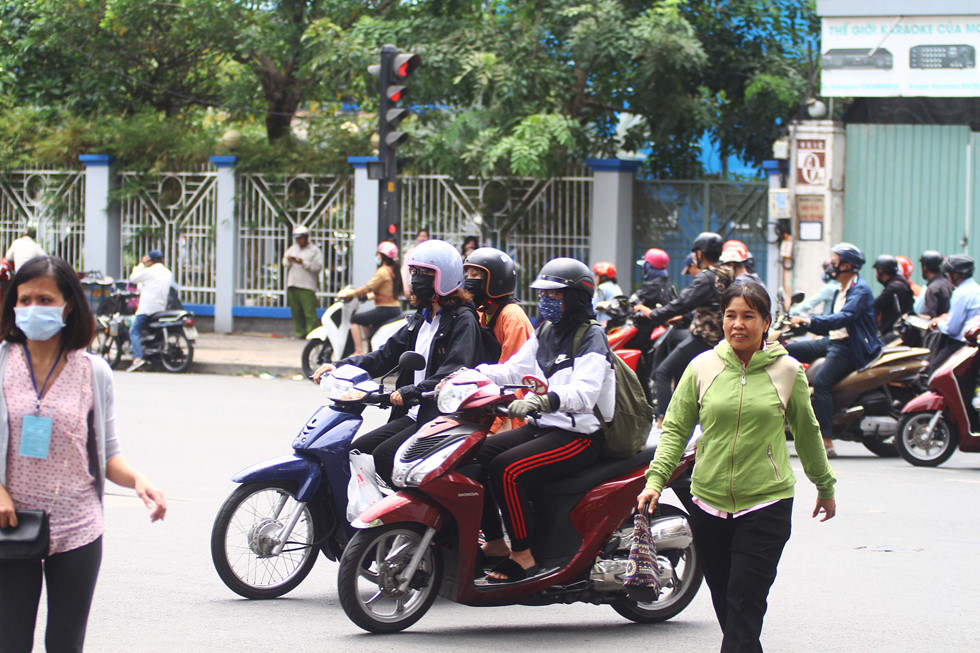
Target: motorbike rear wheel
672, 600
880, 448
316, 352
369, 577
178, 353
925, 450
241, 540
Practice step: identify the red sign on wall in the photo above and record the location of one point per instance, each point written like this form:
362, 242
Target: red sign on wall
811, 162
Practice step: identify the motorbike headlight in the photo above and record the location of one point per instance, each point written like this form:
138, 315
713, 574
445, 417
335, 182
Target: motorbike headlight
409, 475
335, 388
452, 395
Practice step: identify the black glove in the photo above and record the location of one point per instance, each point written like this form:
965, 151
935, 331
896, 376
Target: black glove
410, 394
542, 403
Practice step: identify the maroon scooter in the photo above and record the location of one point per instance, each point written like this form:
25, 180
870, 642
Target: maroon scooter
424, 540
944, 417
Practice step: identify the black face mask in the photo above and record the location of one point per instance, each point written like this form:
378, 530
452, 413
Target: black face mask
477, 288
424, 289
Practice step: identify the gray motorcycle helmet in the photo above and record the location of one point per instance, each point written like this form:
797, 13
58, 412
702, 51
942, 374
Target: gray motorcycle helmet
444, 259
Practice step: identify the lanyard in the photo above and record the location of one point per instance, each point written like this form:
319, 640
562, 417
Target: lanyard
30, 366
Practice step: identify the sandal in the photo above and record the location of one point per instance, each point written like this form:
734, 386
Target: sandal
483, 560
513, 570
831, 452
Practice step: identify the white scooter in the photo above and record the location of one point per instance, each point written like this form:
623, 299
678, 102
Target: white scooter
332, 340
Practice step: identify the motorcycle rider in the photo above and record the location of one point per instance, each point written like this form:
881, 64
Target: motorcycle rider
657, 289
606, 288
906, 268
705, 331
934, 301
491, 278
735, 256
566, 436
964, 305
444, 330
851, 331
824, 297
896, 299
385, 285
154, 281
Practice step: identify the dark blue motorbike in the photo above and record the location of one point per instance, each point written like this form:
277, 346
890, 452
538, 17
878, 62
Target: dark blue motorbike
266, 535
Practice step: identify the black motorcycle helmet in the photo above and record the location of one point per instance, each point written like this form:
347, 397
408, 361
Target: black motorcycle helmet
849, 253
887, 263
563, 273
931, 260
500, 268
709, 244
960, 264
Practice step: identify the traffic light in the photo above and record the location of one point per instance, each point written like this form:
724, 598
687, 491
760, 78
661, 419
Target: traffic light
394, 69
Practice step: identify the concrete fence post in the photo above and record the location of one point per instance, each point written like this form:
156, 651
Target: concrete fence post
611, 234
226, 243
365, 220
103, 225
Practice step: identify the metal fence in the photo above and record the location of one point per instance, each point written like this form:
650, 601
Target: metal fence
269, 208
532, 220
670, 215
54, 201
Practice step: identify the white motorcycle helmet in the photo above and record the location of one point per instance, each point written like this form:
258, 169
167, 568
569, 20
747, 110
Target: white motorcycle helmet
444, 260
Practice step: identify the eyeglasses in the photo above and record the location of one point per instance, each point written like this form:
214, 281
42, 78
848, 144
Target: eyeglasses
551, 294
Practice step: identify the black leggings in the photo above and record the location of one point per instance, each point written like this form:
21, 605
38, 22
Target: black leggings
70, 578
383, 443
376, 316
514, 462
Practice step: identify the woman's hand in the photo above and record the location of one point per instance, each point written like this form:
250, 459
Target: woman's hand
826, 506
396, 398
152, 497
8, 514
326, 368
647, 499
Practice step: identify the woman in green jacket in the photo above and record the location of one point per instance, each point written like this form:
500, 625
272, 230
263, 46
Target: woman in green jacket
742, 393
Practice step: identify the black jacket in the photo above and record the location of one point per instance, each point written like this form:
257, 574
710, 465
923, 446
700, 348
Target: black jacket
659, 290
938, 292
456, 344
895, 300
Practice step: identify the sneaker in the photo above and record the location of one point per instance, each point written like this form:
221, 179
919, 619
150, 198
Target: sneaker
137, 364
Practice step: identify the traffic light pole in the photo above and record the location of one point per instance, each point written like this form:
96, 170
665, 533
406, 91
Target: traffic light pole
389, 215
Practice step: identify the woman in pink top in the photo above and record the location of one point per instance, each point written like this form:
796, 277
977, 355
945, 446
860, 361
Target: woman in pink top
57, 446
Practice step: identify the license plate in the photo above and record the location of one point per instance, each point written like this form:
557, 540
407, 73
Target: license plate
190, 332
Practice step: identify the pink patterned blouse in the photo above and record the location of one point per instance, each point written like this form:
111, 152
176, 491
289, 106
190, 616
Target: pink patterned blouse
61, 484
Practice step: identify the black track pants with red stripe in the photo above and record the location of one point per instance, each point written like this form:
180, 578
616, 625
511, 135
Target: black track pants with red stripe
514, 462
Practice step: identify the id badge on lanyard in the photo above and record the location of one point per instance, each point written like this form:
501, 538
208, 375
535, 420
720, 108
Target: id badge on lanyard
35, 437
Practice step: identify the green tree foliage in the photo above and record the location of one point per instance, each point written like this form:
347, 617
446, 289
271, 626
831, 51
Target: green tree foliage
520, 88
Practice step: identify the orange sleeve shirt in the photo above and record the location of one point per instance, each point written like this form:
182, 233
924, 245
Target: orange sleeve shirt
512, 329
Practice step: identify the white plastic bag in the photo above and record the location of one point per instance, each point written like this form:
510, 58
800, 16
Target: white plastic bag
363, 490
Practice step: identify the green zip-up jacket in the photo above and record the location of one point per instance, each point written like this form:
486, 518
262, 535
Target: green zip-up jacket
742, 458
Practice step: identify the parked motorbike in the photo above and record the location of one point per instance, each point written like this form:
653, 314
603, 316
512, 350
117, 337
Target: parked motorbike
423, 541
267, 534
168, 338
332, 341
945, 416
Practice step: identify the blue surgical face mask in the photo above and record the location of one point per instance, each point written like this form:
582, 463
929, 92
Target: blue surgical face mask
39, 322
550, 309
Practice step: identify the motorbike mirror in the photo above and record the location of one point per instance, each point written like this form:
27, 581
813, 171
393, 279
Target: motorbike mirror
411, 361
534, 384
797, 297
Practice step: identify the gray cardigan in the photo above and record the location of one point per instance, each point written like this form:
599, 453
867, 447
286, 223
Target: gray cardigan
104, 422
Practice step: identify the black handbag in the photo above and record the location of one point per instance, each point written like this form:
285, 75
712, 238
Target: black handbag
29, 540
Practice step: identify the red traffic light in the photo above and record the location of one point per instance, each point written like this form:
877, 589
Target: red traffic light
392, 229
405, 64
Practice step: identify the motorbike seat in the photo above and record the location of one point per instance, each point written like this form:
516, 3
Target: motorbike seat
601, 471
166, 315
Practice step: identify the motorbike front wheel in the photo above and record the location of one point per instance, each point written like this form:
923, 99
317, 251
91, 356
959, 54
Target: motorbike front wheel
370, 574
680, 593
920, 449
316, 352
178, 353
112, 351
243, 537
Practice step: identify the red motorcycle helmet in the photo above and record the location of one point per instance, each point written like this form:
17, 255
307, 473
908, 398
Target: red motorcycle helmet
905, 266
657, 258
604, 269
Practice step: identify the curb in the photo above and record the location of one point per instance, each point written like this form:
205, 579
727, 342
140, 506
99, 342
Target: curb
242, 369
